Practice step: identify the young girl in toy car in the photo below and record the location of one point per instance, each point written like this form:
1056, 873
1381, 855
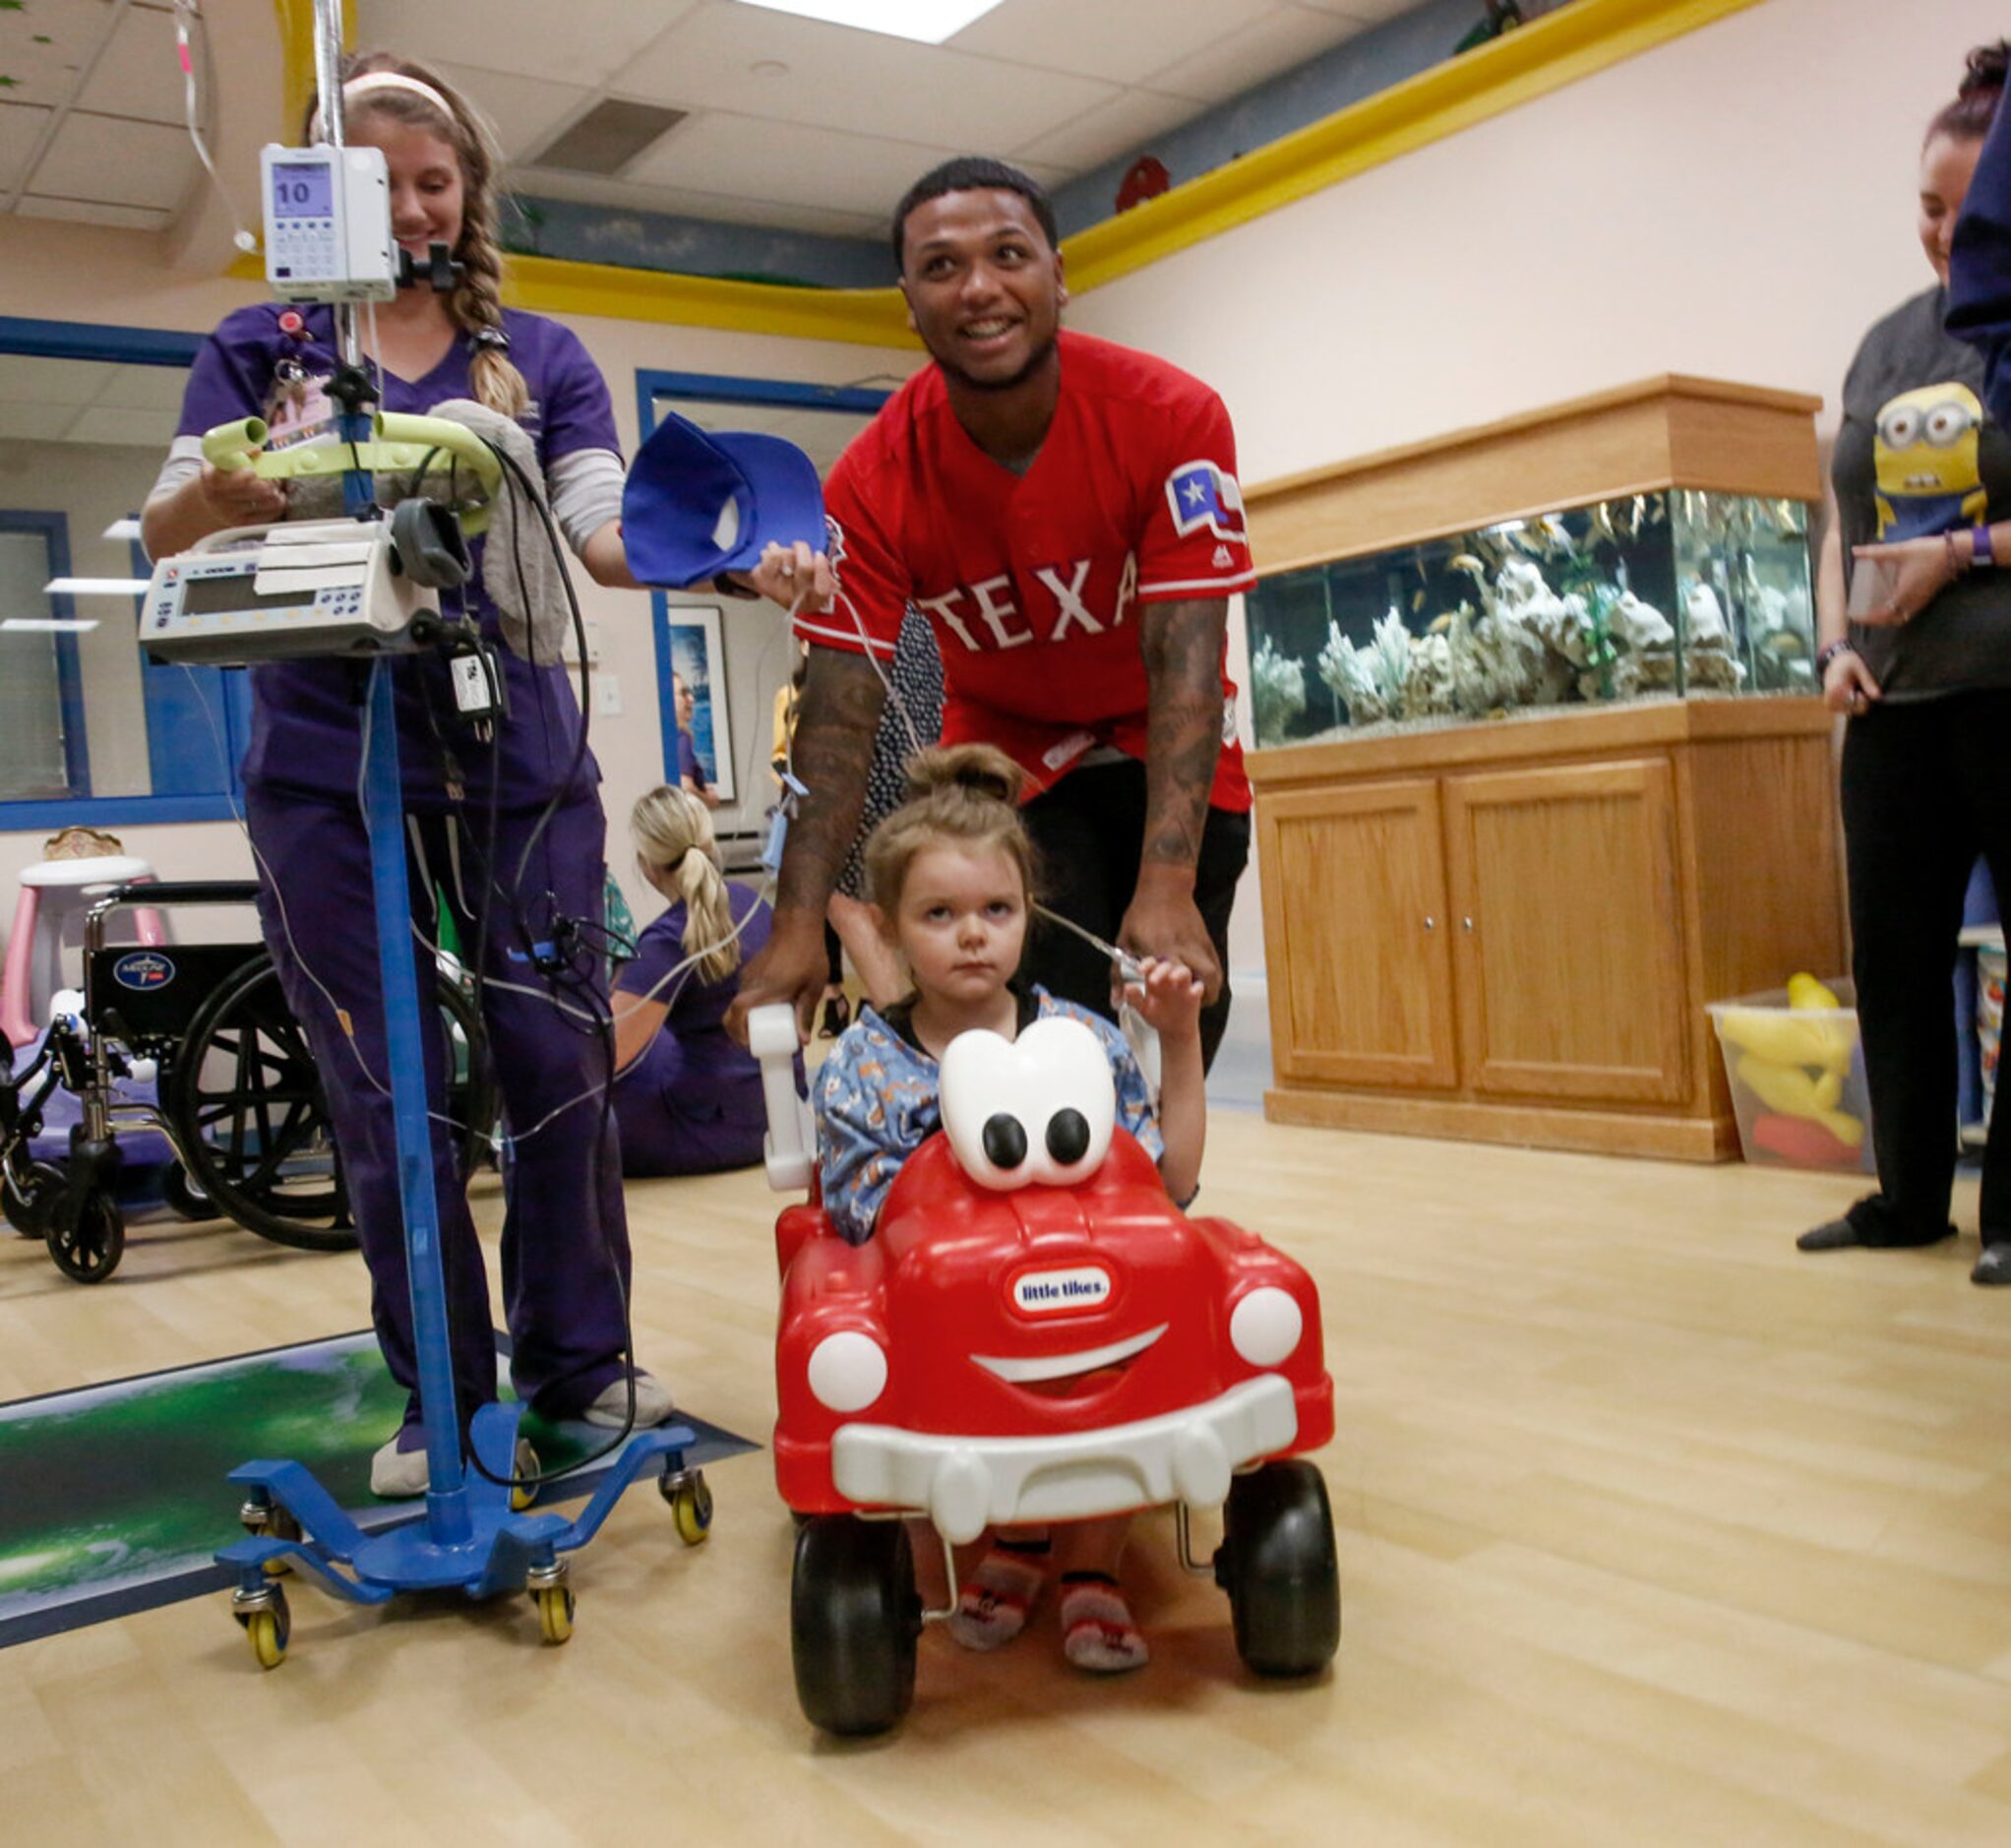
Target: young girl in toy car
951, 877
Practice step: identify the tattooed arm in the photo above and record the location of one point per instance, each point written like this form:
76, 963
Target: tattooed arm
1182, 643
836, 721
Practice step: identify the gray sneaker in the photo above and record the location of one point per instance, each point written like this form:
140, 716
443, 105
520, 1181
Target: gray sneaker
610, 1411
395, 1474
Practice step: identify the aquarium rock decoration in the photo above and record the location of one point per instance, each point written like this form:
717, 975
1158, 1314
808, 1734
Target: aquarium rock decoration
1277, 689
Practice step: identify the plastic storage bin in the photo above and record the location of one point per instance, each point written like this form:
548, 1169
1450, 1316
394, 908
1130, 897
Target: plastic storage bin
1797, 1080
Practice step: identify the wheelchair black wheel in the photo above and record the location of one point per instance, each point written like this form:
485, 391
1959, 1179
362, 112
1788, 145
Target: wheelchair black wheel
245, 1100
87, 1235
26, 1201
248, 1110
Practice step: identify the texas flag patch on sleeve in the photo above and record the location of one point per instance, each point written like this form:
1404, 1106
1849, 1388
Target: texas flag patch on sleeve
1204, 495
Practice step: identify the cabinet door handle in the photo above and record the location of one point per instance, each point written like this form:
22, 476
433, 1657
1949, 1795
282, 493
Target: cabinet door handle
1430, 923
1468, 922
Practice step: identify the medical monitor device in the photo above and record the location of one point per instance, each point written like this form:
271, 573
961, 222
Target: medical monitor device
328, 224
320, 589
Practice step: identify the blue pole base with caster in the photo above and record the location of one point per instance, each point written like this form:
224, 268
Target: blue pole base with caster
469, 1536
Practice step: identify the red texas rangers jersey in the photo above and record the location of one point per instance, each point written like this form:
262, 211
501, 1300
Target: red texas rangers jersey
1033, 582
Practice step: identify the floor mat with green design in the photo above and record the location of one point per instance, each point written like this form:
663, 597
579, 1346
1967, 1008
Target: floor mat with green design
113, 1498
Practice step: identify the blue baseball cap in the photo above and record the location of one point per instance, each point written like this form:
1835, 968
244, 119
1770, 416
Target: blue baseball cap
700, 502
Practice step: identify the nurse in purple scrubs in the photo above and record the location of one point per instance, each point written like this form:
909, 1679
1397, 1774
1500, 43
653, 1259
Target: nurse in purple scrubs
512, 835
689, 1097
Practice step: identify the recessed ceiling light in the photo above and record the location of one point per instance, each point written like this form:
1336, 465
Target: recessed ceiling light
930, 21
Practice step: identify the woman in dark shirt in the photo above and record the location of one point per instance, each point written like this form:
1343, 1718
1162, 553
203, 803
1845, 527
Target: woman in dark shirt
1922, 480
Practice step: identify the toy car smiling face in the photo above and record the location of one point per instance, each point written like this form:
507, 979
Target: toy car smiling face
1030, 1279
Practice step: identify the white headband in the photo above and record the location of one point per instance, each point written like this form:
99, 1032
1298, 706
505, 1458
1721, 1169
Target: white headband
387, 80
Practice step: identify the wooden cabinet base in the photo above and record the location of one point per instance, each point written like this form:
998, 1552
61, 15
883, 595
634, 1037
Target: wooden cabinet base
1510, 932
1590, 1131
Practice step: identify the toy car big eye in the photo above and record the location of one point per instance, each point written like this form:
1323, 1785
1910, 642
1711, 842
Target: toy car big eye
1036, 1109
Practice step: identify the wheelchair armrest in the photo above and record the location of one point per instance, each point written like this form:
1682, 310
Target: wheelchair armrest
178, 891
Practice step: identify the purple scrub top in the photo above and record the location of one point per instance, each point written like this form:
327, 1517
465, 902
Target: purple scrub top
306, 716
698, 1008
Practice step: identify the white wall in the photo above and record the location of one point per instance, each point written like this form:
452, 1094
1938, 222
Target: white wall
59, 272
1739, 203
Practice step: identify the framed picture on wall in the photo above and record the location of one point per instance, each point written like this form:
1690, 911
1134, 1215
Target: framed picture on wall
699, 660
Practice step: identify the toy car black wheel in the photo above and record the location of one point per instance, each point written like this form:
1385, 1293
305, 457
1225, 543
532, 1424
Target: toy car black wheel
87, 1235
1278, 1565
183, 1197
27, 1204
853, 1620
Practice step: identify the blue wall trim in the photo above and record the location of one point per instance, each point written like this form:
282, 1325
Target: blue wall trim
113, 812
88, 339
722, 389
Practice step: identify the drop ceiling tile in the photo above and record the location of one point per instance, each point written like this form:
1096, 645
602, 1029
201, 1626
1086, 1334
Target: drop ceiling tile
139, 74
787, 162
695, 203
1120, 40
1131, 119
864, 83
107, 161
1284, 38
21, 128
105, 424
88, 212
48, 74
72, 382
526, 110
569, 41
144, 388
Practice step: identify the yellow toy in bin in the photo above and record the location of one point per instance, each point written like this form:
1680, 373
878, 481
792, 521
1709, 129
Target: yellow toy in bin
1790, 1067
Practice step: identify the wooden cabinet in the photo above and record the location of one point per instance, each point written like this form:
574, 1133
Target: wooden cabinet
1563, 882
1358, 907
1508, 932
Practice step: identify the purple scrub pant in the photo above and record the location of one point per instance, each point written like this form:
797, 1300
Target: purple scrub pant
566, 1265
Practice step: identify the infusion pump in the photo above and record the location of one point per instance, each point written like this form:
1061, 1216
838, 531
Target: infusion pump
328, 224
262, 594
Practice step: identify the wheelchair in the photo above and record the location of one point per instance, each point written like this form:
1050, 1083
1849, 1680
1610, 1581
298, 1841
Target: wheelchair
237, 1095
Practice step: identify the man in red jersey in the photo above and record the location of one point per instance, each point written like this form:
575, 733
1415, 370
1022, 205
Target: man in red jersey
1066, 513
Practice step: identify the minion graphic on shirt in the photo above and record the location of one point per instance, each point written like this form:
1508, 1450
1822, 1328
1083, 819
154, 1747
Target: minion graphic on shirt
1925, 453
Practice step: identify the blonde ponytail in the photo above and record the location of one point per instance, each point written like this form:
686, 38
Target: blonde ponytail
673, 834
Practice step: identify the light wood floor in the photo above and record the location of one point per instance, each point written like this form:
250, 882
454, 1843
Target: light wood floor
1651, 1531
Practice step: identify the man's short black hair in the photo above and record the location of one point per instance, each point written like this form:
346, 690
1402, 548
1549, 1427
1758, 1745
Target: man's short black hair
969, 173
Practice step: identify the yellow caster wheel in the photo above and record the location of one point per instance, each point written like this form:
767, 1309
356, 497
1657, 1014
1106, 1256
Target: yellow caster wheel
524, 1494
267, 1627
690, 1504
554, 1611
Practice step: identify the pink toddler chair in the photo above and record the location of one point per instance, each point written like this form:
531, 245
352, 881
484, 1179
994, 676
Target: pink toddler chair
48, 917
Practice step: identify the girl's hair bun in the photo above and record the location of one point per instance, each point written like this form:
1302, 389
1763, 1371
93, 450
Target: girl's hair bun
981, 768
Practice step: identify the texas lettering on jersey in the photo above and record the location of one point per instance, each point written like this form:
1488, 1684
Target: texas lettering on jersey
986, 615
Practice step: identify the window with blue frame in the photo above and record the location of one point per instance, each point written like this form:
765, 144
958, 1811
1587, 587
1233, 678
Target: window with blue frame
90, 731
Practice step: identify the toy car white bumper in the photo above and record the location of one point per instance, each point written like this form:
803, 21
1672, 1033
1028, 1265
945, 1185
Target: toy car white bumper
968, 1484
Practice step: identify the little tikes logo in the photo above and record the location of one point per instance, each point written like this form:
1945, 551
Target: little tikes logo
1053, 1293
143, 971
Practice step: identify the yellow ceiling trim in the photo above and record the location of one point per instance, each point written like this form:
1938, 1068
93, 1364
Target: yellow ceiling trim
1577, 41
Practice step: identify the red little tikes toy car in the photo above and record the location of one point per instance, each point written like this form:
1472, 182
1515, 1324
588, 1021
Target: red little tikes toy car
1034, 1333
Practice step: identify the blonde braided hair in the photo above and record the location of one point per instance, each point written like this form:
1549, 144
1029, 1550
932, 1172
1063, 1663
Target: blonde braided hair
477, 305
673, 834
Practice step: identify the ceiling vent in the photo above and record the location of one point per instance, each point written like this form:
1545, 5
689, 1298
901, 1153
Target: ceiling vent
609, 136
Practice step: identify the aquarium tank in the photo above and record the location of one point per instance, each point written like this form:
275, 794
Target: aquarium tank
1672, 594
